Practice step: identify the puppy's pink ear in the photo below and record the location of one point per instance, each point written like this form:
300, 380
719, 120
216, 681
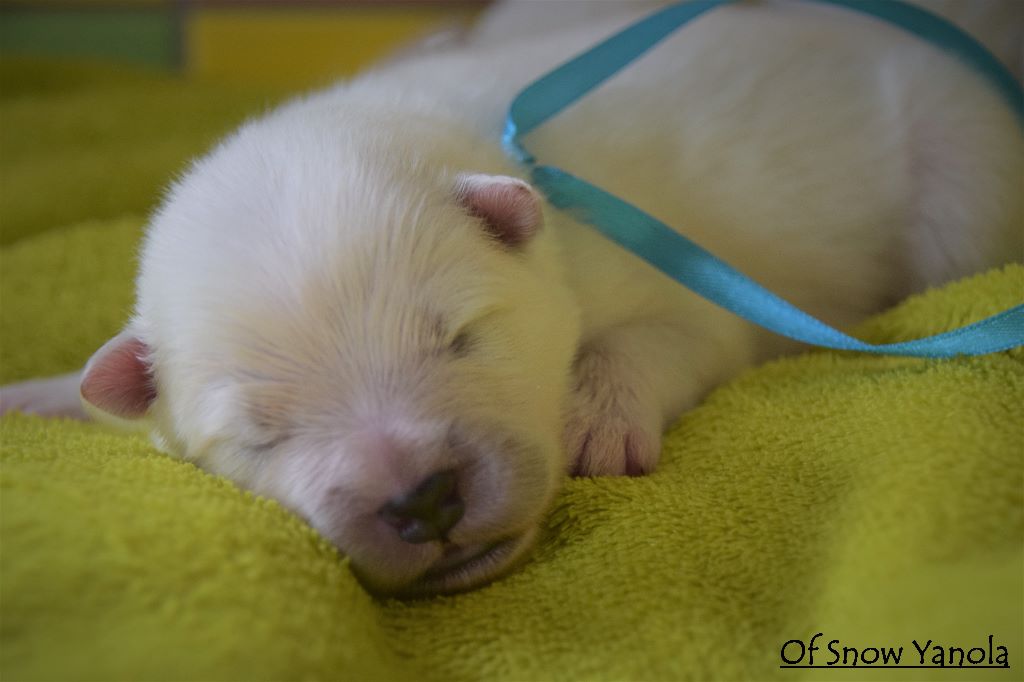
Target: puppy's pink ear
508, 207
117, 379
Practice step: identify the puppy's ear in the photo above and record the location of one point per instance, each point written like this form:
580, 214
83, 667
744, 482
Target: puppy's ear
509, 208
118, 381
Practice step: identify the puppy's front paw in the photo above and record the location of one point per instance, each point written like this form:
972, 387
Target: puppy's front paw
609, 431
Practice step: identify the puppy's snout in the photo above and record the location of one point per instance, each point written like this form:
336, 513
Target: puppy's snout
427, 512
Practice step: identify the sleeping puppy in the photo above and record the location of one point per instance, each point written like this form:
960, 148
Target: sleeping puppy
355, 305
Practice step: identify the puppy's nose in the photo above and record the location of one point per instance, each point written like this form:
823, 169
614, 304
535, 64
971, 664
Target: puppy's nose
428, 511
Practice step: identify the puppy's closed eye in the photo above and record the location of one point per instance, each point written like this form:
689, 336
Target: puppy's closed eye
269, 424
461, 344
456, 345
263, 444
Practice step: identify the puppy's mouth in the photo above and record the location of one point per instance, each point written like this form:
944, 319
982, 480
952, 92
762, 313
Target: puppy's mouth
464, 568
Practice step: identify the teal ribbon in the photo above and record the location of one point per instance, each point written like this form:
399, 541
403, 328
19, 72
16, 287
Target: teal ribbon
685, 261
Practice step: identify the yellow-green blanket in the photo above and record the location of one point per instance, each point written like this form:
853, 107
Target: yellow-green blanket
875, 500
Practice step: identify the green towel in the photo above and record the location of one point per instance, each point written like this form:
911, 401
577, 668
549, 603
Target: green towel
875, 500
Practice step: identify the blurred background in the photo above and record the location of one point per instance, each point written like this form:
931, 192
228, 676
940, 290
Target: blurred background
263, 42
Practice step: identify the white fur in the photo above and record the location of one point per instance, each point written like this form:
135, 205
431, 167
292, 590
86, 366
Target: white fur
302, 284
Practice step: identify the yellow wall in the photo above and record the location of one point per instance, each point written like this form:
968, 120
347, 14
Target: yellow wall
302, 47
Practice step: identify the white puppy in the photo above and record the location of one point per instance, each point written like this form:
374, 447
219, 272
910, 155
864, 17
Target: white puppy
355, 306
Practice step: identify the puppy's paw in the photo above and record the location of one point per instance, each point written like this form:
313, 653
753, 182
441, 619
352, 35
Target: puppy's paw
56, 397
609, 430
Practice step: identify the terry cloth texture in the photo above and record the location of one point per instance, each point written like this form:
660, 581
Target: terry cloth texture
876, 500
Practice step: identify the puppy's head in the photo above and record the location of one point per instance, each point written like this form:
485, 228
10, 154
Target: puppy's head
379, 341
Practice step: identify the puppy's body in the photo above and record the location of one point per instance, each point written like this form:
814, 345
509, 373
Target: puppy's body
353, 293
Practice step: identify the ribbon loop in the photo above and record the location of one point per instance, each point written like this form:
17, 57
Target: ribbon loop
686, 262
